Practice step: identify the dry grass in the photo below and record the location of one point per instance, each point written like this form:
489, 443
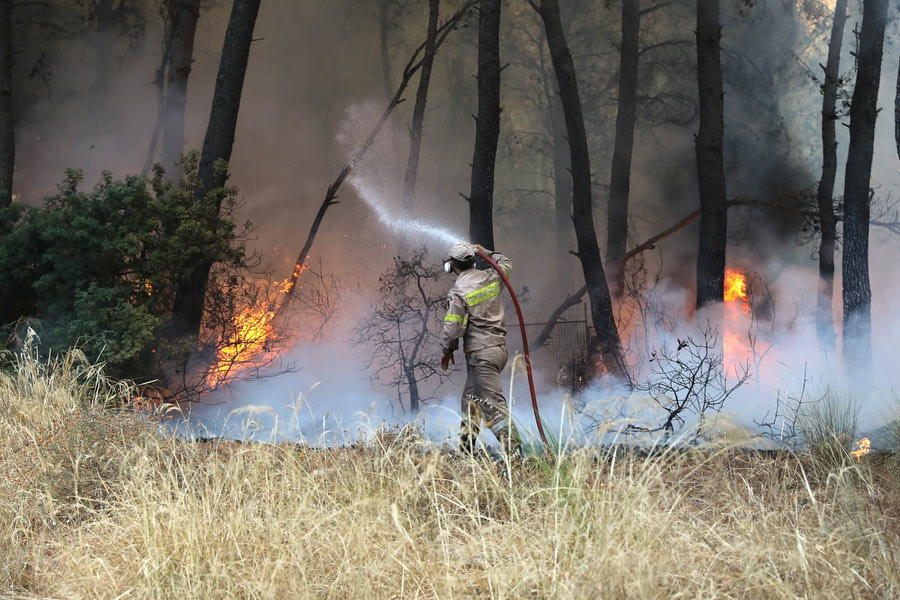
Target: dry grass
95, 506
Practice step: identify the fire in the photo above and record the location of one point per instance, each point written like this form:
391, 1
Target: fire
284, 286
862, 448
736, 287
252, 329
735, 344
253, 341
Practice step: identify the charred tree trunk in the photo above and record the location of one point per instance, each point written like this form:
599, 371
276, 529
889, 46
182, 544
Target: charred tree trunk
418, 120
182, 21
825, 193
562, 179
219, 140
857, 293
487, 125
7, 133
412, 385
562, 191
710, 163
582, 201
897, 113
620, 177
217, 146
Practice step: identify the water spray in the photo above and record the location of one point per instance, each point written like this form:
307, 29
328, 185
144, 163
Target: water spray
515, 299
417, 227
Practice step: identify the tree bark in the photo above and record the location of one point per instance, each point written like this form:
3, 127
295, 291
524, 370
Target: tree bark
182, 20
418, 120
610, 345
710, 163
217, 146
857, 292
897, 112
219, 140
7, 132
825, 193
562, 179
487, 126
620, 176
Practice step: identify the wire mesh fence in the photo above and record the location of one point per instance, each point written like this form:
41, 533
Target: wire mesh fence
562, 358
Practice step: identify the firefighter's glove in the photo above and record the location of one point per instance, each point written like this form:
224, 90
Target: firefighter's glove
447, 360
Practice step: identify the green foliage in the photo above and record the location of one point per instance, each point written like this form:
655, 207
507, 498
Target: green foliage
99, 268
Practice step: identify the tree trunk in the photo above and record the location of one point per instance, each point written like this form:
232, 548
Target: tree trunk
413, 387
897, 112
182, 21
418, 120
217, 146
857, 293
562, 179
710, 164
7, 133
825, 193
620, 176
588, 249
487, 126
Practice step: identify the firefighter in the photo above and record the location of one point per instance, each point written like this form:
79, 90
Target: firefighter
475, 314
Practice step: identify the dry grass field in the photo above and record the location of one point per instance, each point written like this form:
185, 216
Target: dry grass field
95, 504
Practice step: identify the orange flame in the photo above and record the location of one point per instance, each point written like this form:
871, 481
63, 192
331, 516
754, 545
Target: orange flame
737, 308
252, 329
252, 337
862, 448
736, 286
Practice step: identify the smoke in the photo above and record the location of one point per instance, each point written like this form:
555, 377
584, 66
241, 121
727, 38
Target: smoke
313, 92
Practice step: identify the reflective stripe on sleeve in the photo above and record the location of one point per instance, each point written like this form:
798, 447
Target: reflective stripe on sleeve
452, 318
486, 293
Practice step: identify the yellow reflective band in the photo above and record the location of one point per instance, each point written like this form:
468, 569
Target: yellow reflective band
486, 293
451, 318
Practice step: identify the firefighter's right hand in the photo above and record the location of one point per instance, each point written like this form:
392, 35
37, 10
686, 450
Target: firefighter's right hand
447, 360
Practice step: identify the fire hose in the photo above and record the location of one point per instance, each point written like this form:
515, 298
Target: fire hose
515, 299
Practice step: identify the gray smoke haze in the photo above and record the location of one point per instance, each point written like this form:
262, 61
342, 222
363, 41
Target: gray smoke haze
313, 92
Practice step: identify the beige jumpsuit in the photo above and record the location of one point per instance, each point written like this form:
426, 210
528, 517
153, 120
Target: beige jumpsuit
475, 314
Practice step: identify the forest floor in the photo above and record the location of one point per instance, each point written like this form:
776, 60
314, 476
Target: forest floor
96, 504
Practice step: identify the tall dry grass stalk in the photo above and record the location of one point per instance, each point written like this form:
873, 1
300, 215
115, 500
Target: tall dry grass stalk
828, 427
400, 518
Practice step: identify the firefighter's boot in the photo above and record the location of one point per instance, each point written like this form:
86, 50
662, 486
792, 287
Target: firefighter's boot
511, 445
468, 444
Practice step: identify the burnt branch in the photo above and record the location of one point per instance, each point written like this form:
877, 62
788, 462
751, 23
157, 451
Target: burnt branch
690, 380
412, 66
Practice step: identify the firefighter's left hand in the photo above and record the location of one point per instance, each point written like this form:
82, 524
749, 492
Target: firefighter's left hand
446, 360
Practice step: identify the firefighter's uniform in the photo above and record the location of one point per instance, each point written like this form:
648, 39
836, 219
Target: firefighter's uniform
475, 314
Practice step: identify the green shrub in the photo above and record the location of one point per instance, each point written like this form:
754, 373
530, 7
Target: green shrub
98, 269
